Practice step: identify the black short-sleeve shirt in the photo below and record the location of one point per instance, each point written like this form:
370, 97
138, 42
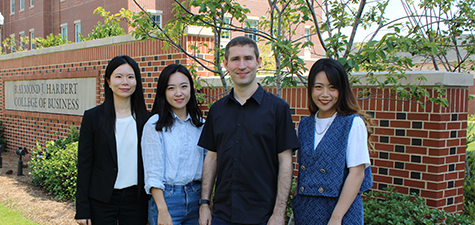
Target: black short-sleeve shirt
248, 139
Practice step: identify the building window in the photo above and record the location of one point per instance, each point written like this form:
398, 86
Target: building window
22, 5
77, 31
251, 25
64, 31
307, 34
225, 34
32, 36
22, 40
156, 16
12, 6
32, 3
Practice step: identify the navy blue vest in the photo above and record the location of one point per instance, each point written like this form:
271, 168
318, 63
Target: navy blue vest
323, 170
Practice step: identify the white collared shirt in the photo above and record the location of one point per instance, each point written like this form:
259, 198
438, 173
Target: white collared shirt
126, 141
173, 156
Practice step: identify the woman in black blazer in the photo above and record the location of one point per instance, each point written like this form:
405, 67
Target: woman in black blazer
110, 183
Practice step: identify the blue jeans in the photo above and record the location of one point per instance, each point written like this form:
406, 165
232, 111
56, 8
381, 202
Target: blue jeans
218, 221
182, 203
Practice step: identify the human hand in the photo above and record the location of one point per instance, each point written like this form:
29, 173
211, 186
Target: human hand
276, 220
205, 214
84, 222
164, 218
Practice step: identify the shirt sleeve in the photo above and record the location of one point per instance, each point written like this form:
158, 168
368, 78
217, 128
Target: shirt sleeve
206, 140
357, 151
286, 135
153, 156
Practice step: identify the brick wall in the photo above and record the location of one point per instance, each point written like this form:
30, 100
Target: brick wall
46, 16
24, 128
419, 150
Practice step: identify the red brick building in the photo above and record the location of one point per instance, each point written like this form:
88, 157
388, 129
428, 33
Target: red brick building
39, 18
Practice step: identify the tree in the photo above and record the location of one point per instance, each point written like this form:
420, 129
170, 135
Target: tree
425, 37
284, 17
10, 43
109, 28
212, 14
50, 41
393, 54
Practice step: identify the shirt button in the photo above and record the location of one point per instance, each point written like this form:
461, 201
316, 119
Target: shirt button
237, 142
303, 167
322, 170
239, 124
320, 190
234, 195
235, 159
302, 188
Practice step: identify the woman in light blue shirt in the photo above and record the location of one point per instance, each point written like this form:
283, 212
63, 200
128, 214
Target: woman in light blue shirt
173, 162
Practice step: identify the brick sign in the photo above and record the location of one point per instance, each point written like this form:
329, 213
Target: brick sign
60, 96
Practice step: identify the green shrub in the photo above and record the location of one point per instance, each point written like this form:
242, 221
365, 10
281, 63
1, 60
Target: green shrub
469, 186
50, 41
55, 167
73, 136
392, 207
109, 28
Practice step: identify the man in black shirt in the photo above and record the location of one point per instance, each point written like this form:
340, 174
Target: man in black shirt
250, 137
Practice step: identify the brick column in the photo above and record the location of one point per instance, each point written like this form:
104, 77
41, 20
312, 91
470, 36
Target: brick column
422, 149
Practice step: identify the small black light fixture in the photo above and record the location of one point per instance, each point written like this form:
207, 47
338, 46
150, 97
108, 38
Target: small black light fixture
21, 152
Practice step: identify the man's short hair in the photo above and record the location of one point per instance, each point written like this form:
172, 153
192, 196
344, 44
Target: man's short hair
241, 41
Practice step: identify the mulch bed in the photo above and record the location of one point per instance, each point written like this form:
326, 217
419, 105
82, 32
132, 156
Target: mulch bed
34, 203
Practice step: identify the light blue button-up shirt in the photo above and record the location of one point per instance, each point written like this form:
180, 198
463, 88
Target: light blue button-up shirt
173, 156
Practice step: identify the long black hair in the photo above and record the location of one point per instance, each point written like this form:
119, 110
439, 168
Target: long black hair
137, 101
337, 76
163, 108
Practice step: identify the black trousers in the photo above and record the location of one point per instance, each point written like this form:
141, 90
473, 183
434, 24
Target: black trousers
124, 208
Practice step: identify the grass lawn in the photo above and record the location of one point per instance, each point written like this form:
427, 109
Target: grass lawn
11, 217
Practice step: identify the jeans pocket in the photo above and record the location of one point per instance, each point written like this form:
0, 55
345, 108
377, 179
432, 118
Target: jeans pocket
167, 193
197, 188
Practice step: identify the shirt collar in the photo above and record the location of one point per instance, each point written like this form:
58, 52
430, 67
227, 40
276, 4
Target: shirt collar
188, 117
257, 96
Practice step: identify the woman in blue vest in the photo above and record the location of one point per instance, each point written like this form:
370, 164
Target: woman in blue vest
173, 162
334, 164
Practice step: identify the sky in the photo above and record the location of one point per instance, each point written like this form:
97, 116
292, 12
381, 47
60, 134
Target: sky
394, 10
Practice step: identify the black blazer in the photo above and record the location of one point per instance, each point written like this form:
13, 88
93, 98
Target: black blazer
97, 162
